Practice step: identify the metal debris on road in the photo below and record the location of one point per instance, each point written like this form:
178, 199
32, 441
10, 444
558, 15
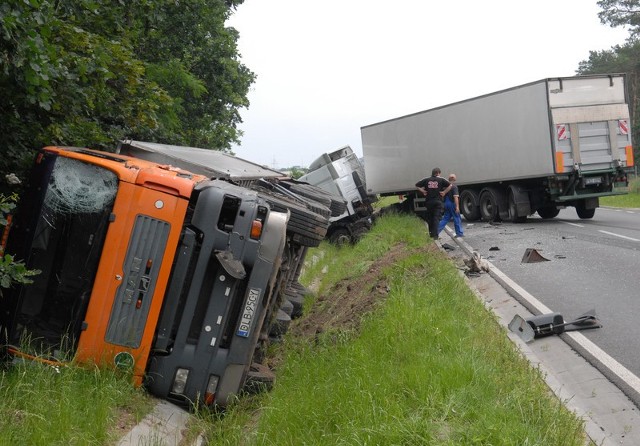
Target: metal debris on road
550, 324
532, 255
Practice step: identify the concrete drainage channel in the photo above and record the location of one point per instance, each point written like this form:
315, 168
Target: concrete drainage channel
584, 386
164, 426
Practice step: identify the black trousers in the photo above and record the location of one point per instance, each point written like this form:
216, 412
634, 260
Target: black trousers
434, 214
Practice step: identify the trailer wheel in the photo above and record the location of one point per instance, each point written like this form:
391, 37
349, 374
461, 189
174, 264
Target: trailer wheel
469, 200
548, 212
584, 213
488, 205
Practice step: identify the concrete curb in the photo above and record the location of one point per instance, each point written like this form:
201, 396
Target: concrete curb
164, 426
610, 417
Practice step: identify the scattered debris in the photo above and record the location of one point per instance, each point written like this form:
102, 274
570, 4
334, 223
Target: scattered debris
531, 255
476, 264
448, 247
559, 256
567, 237
550, 324
494, 248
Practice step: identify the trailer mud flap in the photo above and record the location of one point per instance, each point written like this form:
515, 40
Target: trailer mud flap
133, 300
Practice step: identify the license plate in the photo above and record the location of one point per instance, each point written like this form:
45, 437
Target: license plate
248, 312
593, 180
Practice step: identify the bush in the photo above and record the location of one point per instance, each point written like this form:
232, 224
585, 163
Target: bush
11, 271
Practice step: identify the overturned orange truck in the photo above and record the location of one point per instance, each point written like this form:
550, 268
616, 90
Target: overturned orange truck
174, 275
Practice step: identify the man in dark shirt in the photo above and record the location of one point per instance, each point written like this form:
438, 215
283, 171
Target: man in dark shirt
434, 188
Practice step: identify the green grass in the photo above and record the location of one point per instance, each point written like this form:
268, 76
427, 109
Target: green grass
630, 200
67, 405
430, 366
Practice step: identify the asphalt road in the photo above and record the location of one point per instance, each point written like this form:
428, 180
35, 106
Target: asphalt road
592, 264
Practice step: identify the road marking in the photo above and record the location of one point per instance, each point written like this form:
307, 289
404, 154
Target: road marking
619, 235
607, 361
630, 212
573, 224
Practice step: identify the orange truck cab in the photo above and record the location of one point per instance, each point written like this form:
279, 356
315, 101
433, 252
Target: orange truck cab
103, 230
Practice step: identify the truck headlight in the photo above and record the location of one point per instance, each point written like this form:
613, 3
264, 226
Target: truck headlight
180, 381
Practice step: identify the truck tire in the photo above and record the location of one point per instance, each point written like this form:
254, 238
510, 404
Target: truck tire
280, 325
287, 306
548, 212
469, 200
584, 213
259, 379
489, 205
340, 237
297, 301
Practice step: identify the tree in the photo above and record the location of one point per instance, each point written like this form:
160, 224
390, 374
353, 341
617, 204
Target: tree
621, 58
193, 56
621, 13
88, 73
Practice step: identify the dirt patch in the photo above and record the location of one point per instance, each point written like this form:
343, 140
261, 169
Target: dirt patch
341, 308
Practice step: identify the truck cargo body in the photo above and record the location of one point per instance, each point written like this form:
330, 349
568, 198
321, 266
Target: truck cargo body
555, 142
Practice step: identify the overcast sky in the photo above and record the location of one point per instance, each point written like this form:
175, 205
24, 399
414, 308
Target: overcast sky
325, 68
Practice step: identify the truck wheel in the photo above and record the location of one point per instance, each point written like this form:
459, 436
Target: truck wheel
259, 379
340, 237
584, 213
280, 325
469, 200
298, 304
548, 212
488, 206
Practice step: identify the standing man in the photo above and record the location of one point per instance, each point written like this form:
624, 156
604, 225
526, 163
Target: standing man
433, 188
452, 208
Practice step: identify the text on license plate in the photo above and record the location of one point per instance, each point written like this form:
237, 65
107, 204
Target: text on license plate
248, 312
593, 180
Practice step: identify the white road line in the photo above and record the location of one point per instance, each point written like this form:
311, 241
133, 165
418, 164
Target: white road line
619, 235
630, 212
573, 224
604, 358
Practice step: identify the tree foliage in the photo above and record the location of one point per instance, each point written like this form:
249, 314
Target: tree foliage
623, 58
620, 13
88, 73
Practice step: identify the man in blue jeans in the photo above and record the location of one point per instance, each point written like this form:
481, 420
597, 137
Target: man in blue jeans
452, 208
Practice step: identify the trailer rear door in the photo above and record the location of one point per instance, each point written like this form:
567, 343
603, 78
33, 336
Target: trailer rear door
591, 123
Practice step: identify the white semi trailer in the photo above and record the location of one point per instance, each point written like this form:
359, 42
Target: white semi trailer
537, 147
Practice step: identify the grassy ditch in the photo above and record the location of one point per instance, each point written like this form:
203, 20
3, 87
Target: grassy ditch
41, 405
631, 200
426, 363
